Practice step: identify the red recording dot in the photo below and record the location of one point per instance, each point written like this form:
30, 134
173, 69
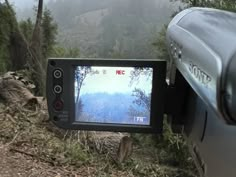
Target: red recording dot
58, 105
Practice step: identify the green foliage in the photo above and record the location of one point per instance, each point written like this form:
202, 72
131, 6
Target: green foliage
160, 44
18, 48
110, 28
142, 99
170, 155
229, 5
172, 148
49, 28
176, 147
40, 38
144, 139
4, 57
126, 35
5, 32
26, 28
75, 154
65, 52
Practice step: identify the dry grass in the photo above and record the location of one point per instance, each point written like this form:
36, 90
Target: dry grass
34, 143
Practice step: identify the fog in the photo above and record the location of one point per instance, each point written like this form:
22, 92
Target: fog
25, 4
106, 28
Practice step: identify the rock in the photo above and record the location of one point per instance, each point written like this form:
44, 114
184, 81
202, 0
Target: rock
14, 91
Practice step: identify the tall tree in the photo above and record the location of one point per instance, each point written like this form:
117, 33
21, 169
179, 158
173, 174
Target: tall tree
80, 74
49, 33
32, 51
160, 44
37, 60
18, 45
142, 99
5, 30
65, 52
26, 27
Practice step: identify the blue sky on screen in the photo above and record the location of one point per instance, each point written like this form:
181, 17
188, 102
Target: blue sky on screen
114, 80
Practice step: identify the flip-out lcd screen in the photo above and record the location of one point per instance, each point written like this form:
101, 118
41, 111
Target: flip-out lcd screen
116, 95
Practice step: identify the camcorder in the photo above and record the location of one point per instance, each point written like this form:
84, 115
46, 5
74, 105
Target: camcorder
133, 95
106, 94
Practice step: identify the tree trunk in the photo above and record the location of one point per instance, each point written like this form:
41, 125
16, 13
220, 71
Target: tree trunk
36, 37
18, 52
38, 63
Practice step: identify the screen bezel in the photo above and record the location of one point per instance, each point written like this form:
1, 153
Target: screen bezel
157, 100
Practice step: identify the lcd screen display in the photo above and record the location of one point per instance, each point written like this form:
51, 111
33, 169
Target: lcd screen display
116, 95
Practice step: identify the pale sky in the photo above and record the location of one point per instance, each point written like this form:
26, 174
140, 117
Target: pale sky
111, 82
22, 4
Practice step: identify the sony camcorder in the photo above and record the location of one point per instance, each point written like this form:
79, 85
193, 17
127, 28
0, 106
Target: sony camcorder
202, 46
133, 95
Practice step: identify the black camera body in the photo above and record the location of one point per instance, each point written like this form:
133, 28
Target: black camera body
106, 94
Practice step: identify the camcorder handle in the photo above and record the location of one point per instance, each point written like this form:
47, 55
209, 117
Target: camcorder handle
202, 46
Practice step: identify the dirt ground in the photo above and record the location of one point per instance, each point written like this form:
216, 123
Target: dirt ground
18, 165
15, 164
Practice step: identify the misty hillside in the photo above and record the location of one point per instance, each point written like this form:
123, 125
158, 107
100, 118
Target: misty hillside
104, 107
110, 28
